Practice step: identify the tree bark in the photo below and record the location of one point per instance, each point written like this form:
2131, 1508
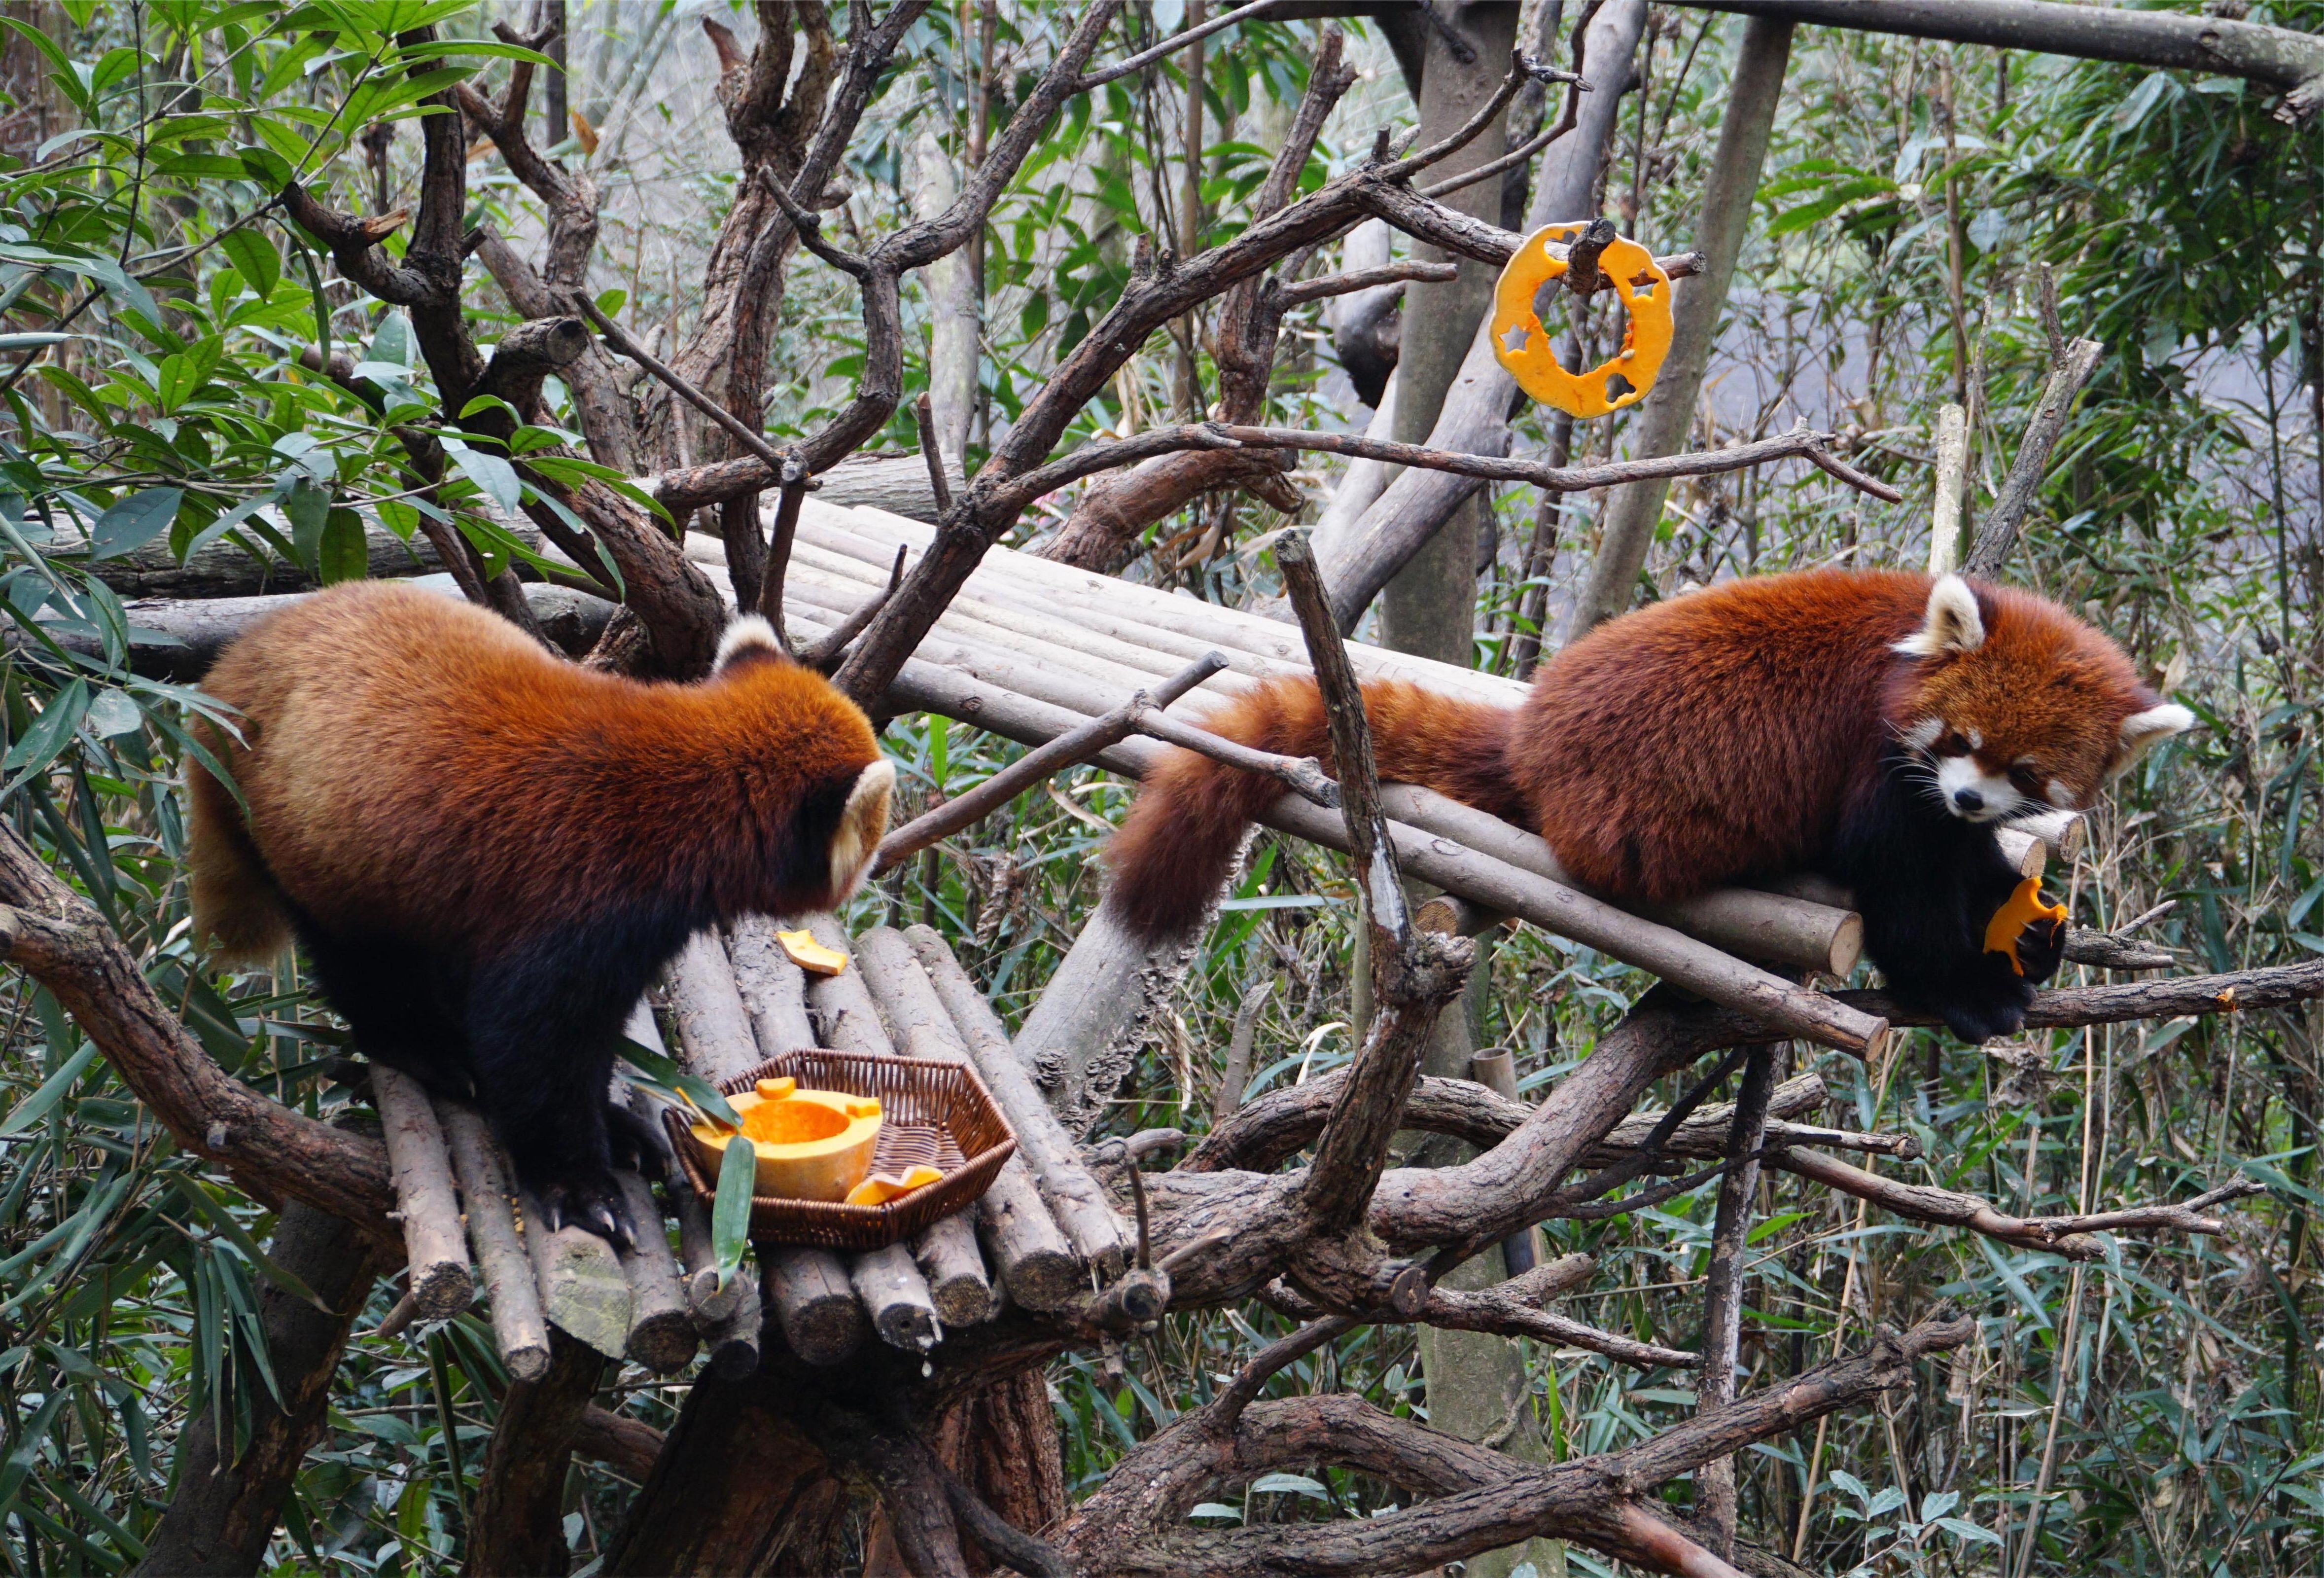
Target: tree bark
739, 1490
2293, 63
224, 1513
517, 1524
1430, 607
1666, 415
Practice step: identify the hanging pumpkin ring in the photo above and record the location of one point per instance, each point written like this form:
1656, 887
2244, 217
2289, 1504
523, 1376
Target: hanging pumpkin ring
1523, 344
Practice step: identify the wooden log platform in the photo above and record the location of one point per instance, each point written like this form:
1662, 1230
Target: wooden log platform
1031, 649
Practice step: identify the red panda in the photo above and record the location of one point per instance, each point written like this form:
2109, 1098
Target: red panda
488, 853
1875, 726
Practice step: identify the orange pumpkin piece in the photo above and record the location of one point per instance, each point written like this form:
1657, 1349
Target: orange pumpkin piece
2024, 908
808, 1144
811, 955
881, 1187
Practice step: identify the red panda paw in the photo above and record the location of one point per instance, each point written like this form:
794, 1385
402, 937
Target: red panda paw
2042, 947
592, 1202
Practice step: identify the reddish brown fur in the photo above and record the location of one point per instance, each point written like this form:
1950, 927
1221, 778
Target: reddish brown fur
417, 767
1180, 839
1714, 736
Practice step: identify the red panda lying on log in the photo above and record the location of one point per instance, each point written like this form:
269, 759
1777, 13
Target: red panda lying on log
1875, 726
489, 853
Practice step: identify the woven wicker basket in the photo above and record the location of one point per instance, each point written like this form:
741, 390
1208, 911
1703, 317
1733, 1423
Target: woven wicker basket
934, 1112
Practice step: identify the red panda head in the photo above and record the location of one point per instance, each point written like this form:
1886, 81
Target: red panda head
818, 743
2015, 708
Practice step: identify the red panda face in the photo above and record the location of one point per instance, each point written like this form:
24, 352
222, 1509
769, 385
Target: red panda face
816, 739
2014, 709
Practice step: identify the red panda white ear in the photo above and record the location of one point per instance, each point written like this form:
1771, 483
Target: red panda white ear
749, 636
2143, 731
862, 824
1952, 623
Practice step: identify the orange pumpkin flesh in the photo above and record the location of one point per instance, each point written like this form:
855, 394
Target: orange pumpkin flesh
810, 1145
2024, 908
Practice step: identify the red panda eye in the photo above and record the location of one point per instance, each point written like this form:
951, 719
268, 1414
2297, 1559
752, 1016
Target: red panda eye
2028, 779
1953, 744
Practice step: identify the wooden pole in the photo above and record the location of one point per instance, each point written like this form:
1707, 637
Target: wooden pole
948, 1252
1026, 1245
582, 1290
719, 1038
661, 1334
897, 1293
442, 1283
519, 1330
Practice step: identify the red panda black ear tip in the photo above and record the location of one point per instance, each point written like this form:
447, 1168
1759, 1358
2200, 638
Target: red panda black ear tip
748, 637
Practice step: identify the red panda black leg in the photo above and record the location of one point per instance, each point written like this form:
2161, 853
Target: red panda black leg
544, 1026
1928, 883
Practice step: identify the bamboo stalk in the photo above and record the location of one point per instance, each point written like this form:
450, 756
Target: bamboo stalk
851, 1023
519, 1330
1740, 920
442, 1285
1023, 1241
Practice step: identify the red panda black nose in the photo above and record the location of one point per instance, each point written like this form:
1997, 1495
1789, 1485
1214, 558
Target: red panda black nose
1968, 800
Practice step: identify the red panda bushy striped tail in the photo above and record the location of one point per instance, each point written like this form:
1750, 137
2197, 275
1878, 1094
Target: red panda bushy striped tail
1178, 844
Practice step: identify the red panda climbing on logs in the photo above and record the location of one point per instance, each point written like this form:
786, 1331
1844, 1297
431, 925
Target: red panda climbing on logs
489, 853
1874, 727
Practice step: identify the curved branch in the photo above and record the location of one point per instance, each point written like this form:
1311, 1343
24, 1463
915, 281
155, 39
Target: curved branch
56, 937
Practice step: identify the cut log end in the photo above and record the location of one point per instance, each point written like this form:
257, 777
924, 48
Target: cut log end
663, 1342
814, 1308
1046, 1282
1846, 945
441, 1290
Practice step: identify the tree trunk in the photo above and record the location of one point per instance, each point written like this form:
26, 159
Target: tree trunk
951, 283
224, 1513
1430, 607
1666, 415
758, 1496
516, 1525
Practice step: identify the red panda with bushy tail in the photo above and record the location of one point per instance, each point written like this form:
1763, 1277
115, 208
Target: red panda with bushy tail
1875, 726
488, 853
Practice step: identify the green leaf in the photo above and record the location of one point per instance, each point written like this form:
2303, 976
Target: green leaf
34, 1107
224, 524
676, 1083
266, 167
113, 713
49, 734
493, 476
308, 507
730, 1215
130, 523
342, 554
251, 252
